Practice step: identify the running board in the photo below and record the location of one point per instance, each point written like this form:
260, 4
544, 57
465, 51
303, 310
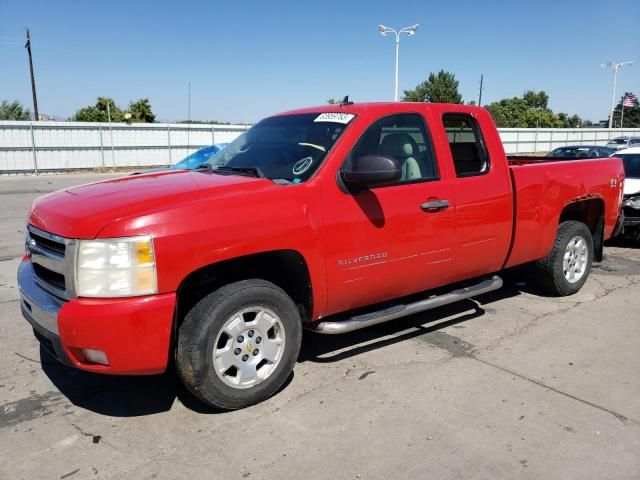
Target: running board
381, 316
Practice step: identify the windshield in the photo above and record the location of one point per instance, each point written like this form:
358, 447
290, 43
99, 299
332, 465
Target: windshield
289, 147
631, 165
618, 141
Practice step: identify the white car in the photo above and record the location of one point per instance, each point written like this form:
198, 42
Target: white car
620, 143
631, 160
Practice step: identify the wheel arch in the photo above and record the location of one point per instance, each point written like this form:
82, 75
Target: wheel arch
589, 211
287, 269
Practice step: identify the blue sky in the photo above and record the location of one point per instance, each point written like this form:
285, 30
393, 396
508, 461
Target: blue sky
247, 59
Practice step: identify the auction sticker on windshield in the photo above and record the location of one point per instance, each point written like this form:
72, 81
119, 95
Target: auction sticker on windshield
335, 117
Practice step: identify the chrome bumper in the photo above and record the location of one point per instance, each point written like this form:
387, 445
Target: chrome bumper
39, 307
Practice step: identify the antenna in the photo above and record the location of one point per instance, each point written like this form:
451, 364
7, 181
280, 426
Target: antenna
345, 101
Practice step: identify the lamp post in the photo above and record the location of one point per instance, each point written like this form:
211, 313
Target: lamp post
616, 67
410, 31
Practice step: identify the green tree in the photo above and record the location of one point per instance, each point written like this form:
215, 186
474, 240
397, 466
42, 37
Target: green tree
530, 111
332, 101
141, 111
13, 111
536, 99
98, 112
631, 118
441, 87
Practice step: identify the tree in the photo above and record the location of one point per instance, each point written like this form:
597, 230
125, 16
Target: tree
141, 111
13, 111
332, 101
438, 88
536, 99
631, 118
530, 111
98, 112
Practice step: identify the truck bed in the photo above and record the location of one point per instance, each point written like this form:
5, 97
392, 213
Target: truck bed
529, 159
544, 189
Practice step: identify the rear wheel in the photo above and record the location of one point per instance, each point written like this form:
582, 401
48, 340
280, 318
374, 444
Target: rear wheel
238, 345
566, 269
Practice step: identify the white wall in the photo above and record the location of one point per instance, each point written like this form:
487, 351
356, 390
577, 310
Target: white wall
78, 145
529, 140
58, 146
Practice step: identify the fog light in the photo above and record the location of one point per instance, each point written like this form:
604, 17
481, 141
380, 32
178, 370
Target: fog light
95, 356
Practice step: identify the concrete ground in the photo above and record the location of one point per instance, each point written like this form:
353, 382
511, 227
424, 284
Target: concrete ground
509, 385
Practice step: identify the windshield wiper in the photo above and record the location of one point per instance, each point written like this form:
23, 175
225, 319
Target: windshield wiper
250, 171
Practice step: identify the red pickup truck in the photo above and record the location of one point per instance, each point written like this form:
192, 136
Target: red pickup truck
325, 218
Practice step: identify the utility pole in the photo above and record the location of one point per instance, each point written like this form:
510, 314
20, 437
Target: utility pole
480, 95
27, 45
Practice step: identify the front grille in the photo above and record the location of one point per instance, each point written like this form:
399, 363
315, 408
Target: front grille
49, 277
48, 245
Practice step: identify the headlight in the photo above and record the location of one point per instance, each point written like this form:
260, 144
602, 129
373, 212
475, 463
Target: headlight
116, 267
633, 202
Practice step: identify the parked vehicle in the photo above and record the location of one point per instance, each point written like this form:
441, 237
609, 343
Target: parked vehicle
191, 162
198, 157
623, 142
581, 151
325, 218
631, 203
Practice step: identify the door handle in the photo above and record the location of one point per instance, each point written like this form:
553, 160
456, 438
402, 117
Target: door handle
435, 205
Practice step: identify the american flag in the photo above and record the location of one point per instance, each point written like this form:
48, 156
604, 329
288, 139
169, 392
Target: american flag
629, 99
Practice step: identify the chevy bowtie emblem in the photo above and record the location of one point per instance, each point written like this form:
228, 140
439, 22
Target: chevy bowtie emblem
249, 347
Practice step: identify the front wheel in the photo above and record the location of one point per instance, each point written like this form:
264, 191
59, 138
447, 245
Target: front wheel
238, 345
566, 269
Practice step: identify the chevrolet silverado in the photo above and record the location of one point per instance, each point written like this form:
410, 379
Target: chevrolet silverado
331, 218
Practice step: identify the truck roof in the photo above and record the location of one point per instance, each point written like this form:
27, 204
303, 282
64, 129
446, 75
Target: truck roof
375, 107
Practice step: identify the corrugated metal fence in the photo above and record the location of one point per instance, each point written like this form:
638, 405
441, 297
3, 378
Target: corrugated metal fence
542, 140
27, 147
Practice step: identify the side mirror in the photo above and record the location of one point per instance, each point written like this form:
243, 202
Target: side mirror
371, 170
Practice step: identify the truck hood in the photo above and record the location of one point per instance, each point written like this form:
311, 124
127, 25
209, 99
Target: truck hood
83, 211
631, 186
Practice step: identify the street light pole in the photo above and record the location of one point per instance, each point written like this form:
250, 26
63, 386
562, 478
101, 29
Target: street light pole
409, 31
616, 67
395, 88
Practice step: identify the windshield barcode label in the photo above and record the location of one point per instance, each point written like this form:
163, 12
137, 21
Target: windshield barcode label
335, 117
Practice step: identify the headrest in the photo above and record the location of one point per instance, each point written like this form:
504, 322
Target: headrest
399, 145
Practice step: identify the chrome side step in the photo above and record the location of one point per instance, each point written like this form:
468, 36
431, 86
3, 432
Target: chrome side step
381, 316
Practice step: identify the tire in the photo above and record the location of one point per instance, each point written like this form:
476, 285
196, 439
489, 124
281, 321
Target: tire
217, 324
553, 274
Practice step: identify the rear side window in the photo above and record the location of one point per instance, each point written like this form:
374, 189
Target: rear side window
467, 146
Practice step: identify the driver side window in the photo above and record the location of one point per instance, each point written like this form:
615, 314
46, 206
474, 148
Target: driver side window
404, 138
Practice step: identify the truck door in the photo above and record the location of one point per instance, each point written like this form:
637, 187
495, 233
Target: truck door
391, 240
482, 193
